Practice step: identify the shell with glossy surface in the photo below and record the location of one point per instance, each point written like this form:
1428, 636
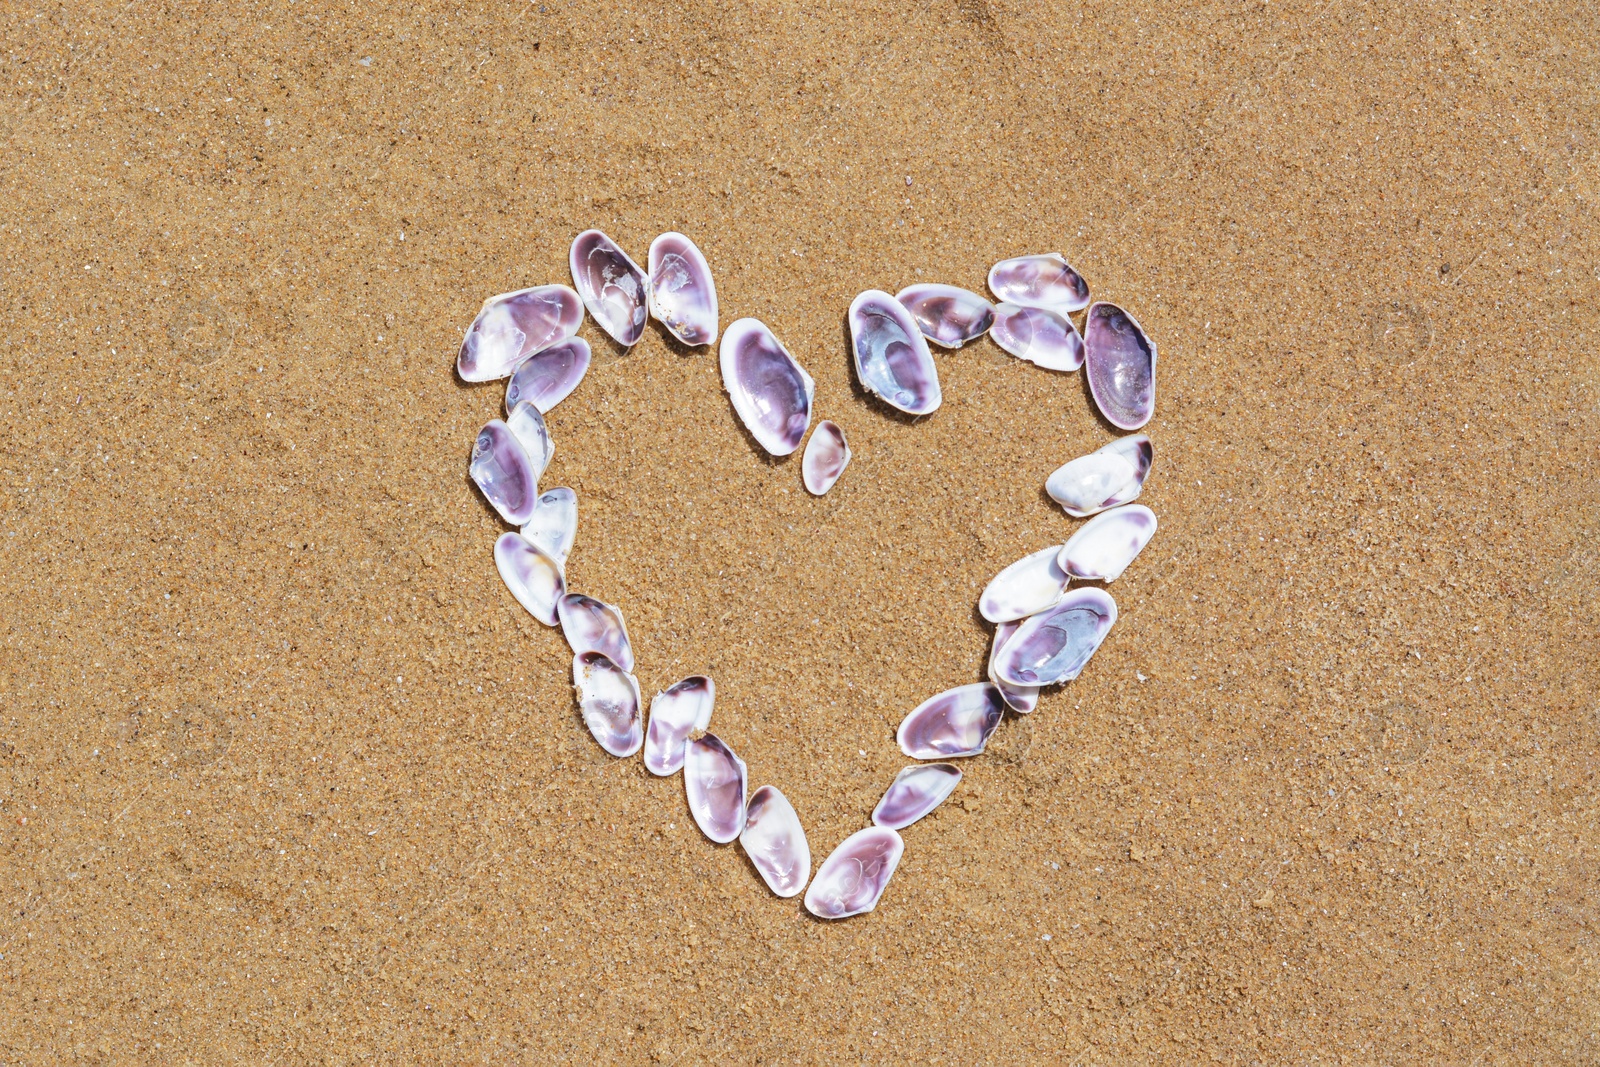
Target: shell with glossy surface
512, 327
554, 525
612, 286
770, 391
947, 315
683, 709
1106, 478
532, 575
852, 879
1121, 364
715, 781
776, 842
591, 625
528, 424
609, 699
548, 377
1028, 586
683, 298
1019, 698
827, 455
1040, 336
1042, 281
1053, 646
504, 473
1107, 543
955, 723
891, 355
915, 792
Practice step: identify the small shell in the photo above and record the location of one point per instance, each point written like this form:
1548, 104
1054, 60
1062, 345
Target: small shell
915, 792
533, 577
504, 473
1019, 698
827, 455
554, 525
513, 326
1030, 585
770, 391
854, 875
1107, 543
891, 355
957, 722
715, 780
610, 701
1105, 478
526, 422
683, 709
1121, 366
548, 377
612, 286
776, 842
591, 625
1045, 281
947, 315
1054, 645
682, 294
1040, 336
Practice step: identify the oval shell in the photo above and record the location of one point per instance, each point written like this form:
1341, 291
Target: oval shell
891, 355
1019, 698
1121, 366
1030, 585
1106, 478
609, 699
955, 723
947, 315
612, 286
776, 842
1038, 335
1042, 281
512, 327
682, 295
852, 879
528, 425
554, 525
715, 781
770, 391
675, 714
915, 792
1107, 543
548, 377
1054, 645
591, 625
504, 473
827, 455
533, 576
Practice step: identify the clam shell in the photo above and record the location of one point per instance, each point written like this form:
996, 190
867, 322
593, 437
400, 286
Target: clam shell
591, 625
1043, 281
532, 575
776, 842
554, 525
512, 327
947, 315
1105, 545
526, 422
1105, 478
504, 473
548, 377
955, 723
770, 391
915, 792
1121, 365
612, 286
891, 355
1042, 337
675, 714
715, 781
682, 295
1019, 698
1054, 645
610, 701
852, 878
827, 455
1030, 585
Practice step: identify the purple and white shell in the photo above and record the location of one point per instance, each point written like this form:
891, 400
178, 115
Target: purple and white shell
947, 315
1019, 698
1042, 281
609, 698
1106, 478
591, 625
915, 792
955, 723
549, 376
1054, 645
612, 286
776, 842
1041, 336
1028, 586
534, 577
526, 422
512, 327
683, 298
504, 473
554, 525
1102, 549
852, 879
683, 709
827, 455
1121, 366
891, 355
715, 781
770, 391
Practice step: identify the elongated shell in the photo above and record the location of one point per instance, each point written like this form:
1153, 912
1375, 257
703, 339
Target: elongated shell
776, 842
532, 575
548, 377
852, 879
1030, 585
947, 315
1106, 478
891, 355
1044, 281
513, 326
675, 714
955, 723
1019, 698
554, 525
827, 455
682, 294
1040, 336
715, 781
612, 286
593, 625
1054, 645
610, 701
526, 422
503, 472
915, 792
1107, 543
770, 390
1121, 365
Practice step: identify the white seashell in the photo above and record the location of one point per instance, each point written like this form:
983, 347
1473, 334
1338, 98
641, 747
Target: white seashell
1030, 585
512, 327
891, 355
1045, 281
1042, 337
610, 701
915, 792
1054, 645
1019, 698
504, 473
685, 708
1121, 365
715, 781
591, 625
852, 879
612, 286
682, 294
955, 723
554, 525
770, 391
827, 455
532, 575
776, 842
1107, 543
947, 315
1105, 478
526, 422
548, 377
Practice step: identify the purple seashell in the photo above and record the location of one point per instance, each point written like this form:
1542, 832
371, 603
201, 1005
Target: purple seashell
1019, 698
947, 315
826, 457
512, 327
683, 709
549, 376
1044, 281
1105, 478
1054, 645
610, 701
915, 792
1042, 337
554, 525
1102, 549
1121, 366
852, 878
532, 575
612, 286
591, 625
528, 425
504, 473
955, 723
682, 294
1030, 585
776, 842
891, 355
770, 391
715, 781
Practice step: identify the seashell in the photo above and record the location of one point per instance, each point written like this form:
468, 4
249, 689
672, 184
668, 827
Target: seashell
1054, 645
827, 455
1102, 549
548, 377
1105, 478
512, 327
947, 315
683, 709
892, 357
1030, 585
591, 625
1121, 366
854, 875
915, 792
610, 701
957, 722
533, 576
682, 294
528, 425
554, 525
504, 473
1019, 698
776, 842
1043, 337
715, 781
1044, 281
770, 391
612, 286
